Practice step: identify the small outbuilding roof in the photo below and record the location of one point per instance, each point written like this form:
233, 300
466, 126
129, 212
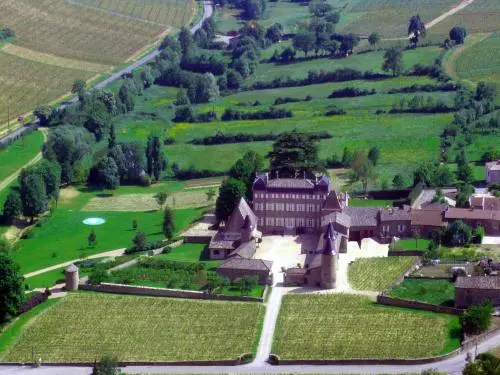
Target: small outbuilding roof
428, 218
478, 282
71, 268
246, 264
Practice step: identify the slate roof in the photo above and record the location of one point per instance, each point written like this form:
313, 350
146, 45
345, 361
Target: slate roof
395, 214
290, 183
471, 214
428, 218
245, 250
493, 166
218, 242
478, 282
332, 202
363, 216
238, 216
337, 217
295, 271
486, 203
246, 264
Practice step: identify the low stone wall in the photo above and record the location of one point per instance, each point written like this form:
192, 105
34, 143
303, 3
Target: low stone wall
408, 272
399, 302
163, 292
198, 239
276, 360
405, 253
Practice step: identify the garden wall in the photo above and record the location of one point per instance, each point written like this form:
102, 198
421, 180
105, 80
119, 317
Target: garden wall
408, 272
163, 292
405, 253
399, 302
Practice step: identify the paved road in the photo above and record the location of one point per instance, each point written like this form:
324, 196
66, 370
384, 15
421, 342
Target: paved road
207, 13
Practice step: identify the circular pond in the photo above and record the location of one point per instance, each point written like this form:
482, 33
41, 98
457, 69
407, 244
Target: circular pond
94, 221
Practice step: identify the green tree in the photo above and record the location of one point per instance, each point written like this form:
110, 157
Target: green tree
483, 364
305, 42
399, 181
109, 175
274, 32
214, 281
374, 155
486, 91
185, 39
13, 206
458, 233
477, 318
147, 77
362, 169
182, 98
111, 137
140, 242
42, 113
11, 287
161, 198
294, 154
135, 224
465, 173
245, 170
393, 61
458, 34
154, 157
168, 223
246, 283
33, 195
210, 193
416, 29
78, 87
106, 366
230, 193
373, 39
92, 238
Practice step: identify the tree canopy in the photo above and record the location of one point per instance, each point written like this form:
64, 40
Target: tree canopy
230, 193
11, 287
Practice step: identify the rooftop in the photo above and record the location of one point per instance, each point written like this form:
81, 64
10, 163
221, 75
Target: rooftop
478, 282
291, 183
471, 214
395, 214
493, 165
363, 216
246, 264
430, 218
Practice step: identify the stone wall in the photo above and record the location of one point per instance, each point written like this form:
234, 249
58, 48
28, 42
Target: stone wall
405, 253
399, 302
163, 292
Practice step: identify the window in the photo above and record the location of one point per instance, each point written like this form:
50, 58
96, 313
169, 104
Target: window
310, 207
310, 223
301, 207
280, 222
386, 229
270, 206
280, 207
261, 221
259, 206
299, 221
216, 252
401, 228
290, 207
270, 221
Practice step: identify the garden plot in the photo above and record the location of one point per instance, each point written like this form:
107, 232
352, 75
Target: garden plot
343, 326
147, 202
376, 274
83, 327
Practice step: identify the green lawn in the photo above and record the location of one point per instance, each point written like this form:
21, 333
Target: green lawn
85, 326
19, 153
191, 253
437, 292
377, 274
412, 244
359, 202
343, 326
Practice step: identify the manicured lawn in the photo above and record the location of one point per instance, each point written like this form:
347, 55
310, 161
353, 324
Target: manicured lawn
83, 326
359, 202
188, 252
377, 274
64, 236
412, 244
343, 326
437, 292
19, 153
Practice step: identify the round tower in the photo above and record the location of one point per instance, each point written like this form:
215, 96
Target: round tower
72, 277
329, 259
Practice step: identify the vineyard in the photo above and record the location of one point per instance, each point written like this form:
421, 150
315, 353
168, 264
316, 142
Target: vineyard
377, 273
83, 327
174, 13
352, 327
25, 84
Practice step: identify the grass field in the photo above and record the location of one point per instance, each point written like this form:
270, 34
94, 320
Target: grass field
437, 292
377, 274
138, 328
343, 326
19, 153
358, 202
412, 244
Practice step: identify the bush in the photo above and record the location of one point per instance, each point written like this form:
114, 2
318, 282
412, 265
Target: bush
33, 301
98, 275
273, 113
335, 112
144, 181
350, 92
477, 319
221, 138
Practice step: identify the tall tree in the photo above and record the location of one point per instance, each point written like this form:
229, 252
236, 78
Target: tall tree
161, 198
185, 39
305, 42
458, 34
373, 39
362, 168
11, 287
374, 155
109, 175
33, 195
245, 170
111, 137
168, 223
393, 61
13, 206
416, 29
230, 193
294, 154
154, 157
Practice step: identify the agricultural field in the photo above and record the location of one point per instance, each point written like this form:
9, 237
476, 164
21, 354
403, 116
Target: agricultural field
78, 39
19, 153
359, 329
437, 292
93, 325
377, 274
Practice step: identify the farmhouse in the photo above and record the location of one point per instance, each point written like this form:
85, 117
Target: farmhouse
476, 290
493, 172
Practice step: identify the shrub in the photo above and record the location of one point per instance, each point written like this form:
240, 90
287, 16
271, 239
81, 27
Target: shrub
221, 138
477, 319
98, 275
273, 113
350, 92
335, 112
144, 181
33, 301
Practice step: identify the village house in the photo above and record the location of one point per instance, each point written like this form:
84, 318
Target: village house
493, 172
475, 290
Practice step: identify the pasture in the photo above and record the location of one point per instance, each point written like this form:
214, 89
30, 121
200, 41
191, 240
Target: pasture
343, 326
376, 274
85, 326
437, 292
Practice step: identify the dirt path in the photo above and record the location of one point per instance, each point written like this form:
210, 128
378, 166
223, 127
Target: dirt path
36, 159
112, 253
435, 21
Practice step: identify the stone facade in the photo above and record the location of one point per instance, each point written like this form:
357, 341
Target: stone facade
493, 172
475, 290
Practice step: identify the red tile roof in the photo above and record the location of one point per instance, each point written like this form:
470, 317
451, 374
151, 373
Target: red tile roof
471, 214
429, 218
